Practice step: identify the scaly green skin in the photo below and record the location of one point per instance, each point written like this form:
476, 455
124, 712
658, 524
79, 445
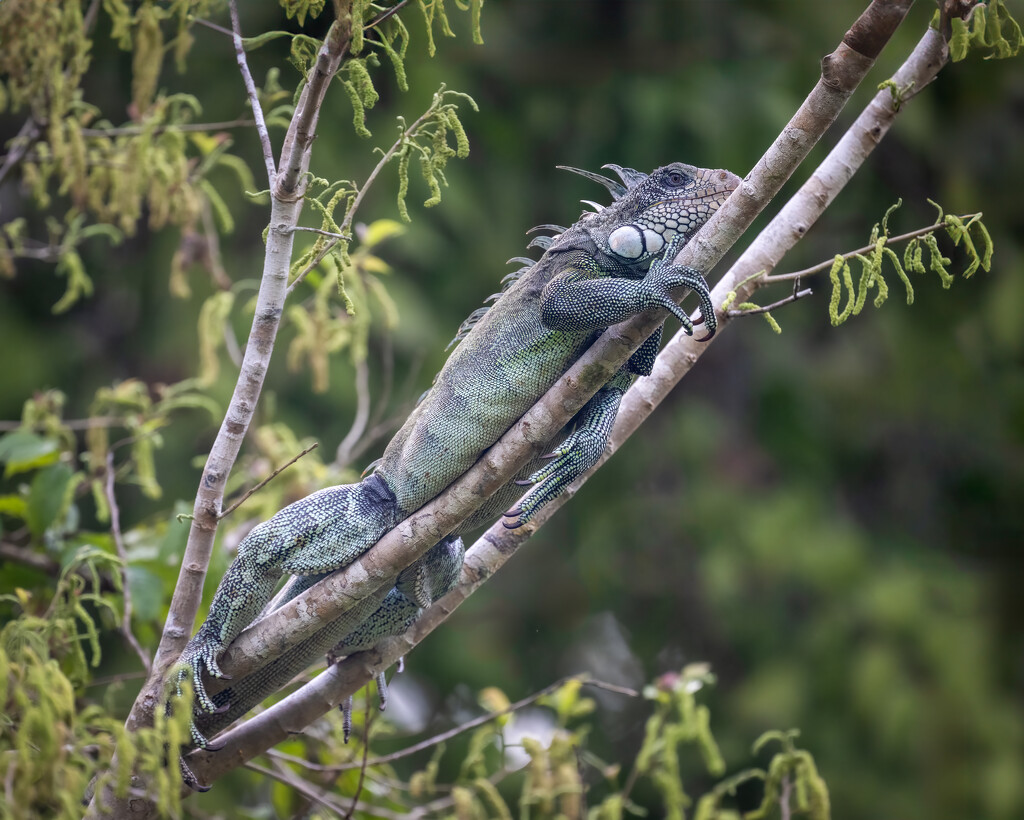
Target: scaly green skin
604, 269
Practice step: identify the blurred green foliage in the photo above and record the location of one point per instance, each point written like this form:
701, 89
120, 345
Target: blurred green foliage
830, 517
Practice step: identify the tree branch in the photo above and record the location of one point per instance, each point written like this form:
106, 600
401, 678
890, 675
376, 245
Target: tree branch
347, 221
254, 96
302, 129
284, 215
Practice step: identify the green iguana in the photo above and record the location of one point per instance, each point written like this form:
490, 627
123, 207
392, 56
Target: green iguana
612, 264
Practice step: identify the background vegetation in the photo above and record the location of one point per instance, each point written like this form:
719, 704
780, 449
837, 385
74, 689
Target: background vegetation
830, 517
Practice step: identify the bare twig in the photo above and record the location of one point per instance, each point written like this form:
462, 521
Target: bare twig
338, 236
455, 731
283, 775
41, 252
186, 127
214, 27
254, 96
71, 424
28, 558
362, 383
347, 221
369, 715
122, 553
107, 680
50, 566
20, 146
785, 793
267, 480
797, 294
386, 14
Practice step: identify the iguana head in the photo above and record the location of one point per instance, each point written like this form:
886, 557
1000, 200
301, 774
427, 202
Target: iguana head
651, 209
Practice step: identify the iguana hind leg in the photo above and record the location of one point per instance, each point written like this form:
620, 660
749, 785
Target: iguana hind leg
320, 533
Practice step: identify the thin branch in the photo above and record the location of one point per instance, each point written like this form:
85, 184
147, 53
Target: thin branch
107, 680
434, 807
49, 566
370, 714
482, 720
21, 144
136, 130
362, 383
799, 294
283, 775
903, 237
28, 558
312, 265
347, 221
254, 95
122, 553
267, 480
29, 131
74, 424
214, 27
785, 794
386, 14
89, 18
41, 252
336, 236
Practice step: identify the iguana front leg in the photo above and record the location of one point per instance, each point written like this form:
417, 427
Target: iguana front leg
585, 296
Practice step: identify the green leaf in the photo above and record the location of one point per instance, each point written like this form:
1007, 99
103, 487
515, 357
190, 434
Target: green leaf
959, 41
13, 505
22, 451
49, 497
147, 592
380, 230
253, 43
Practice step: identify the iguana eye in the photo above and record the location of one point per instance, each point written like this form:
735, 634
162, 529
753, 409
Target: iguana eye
675, 178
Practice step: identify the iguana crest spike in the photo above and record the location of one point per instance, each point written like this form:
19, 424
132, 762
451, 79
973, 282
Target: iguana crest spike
630, 176
614, 188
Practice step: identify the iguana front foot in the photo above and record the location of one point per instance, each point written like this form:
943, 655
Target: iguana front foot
664, 276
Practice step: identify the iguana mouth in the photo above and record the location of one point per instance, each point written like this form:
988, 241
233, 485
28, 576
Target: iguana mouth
726, 183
